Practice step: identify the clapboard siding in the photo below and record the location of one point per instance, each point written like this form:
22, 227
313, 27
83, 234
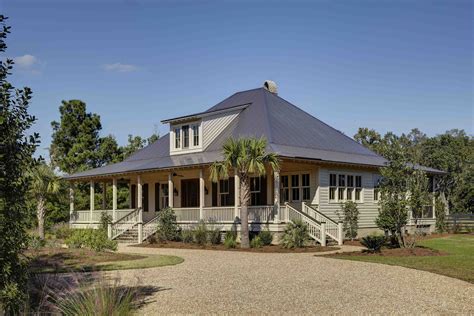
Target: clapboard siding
368, 208
213, 125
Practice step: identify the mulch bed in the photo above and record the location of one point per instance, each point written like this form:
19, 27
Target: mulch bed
64, 258
397, 252
265, 249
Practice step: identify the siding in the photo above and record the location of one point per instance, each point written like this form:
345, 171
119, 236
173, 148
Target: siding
368, 208
212, 126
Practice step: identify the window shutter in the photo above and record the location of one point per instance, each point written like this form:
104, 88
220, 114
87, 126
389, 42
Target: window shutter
134, 195
214, 193
263, 191
231, 195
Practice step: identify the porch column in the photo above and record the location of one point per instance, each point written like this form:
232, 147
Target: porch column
201, 194
170, 190
114, 198
276, 194
92, 193
71, 201
140, 210
236, 194
104, 196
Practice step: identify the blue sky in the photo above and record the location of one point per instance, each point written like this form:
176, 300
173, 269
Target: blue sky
388, 65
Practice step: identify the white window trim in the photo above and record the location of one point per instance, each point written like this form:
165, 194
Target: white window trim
192, 148
336, 194
300, 185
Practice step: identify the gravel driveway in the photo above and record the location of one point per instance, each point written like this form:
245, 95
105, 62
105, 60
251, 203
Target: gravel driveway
256, 283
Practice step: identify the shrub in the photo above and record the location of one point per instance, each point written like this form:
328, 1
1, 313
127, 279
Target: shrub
215, 236
373, 242
200, 233
187, 236
62, 231
105, 220
350, 217
94, 239
168, 229
295, 235
266, 237
36, 243
230, 240
256, 242
440, 211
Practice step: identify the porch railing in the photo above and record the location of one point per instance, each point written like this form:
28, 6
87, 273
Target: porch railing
82, 217
315, 230
125, 223
332, 227
219, 214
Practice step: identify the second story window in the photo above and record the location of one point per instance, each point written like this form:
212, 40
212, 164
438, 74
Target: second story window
185, 129
195, 135
177, 138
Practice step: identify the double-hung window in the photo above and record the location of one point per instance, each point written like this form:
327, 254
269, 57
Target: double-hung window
255, 187
295, 187
285, 190
345, 187
195, 129
185, 129
177, 138
224, 192
305, 187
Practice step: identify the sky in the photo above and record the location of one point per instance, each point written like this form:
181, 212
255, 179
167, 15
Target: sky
386, 65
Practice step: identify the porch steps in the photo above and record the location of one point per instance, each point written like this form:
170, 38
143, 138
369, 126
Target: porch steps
130, 236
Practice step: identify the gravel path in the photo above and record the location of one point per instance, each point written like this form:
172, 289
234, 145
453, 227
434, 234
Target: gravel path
255, 283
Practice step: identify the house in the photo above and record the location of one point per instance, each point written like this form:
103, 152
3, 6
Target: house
321, 167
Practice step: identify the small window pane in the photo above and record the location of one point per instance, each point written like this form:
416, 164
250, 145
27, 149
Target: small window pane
359, 181
295, 180
340, 195
284, 181
342, 180
357, 194
195, 135
177, 138
285, 195
332, 193
332, 180
295, 194
305, 180
376, 194
255, 184
350, 181
349, 194
306, 194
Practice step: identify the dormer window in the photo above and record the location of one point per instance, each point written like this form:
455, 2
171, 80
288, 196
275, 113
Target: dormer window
177, 138
186, 138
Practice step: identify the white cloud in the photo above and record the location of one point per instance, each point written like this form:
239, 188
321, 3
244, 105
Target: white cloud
119, 67
25, 61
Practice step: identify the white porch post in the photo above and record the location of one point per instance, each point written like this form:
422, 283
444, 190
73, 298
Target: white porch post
340, 234
201, 194
140, 211
92, 193
434, 197
71, 201
170, 190
236, 194
114, 198
104, 196
276, 194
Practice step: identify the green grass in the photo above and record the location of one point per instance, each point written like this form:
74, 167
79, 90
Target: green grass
458, 263
50, 260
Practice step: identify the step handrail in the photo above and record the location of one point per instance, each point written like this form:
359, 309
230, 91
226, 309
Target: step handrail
315, 229
150, 227
125, 223
332, 227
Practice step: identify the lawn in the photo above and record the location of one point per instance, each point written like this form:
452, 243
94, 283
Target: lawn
49, 260
458, 261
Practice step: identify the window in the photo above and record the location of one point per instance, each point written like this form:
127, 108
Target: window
377, 189
345, 187
224, 192
285, 191
255, 187
177, 138
185, 129
195, 135
358, 188
332, 187
305, 187
164, 195
295, 187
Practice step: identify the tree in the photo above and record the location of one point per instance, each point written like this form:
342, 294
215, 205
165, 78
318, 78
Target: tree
350, 218
134, 143
393, 215
245, 157
44, 184
369, 138
75, 139
16, 149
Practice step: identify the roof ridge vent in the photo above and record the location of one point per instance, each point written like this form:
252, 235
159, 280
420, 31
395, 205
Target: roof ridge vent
271, 86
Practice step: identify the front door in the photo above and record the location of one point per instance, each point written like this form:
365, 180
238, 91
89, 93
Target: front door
190, 193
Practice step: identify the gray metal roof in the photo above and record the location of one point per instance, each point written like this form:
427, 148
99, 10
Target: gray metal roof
290, 131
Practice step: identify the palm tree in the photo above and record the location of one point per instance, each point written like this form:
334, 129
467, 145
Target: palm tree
44, 184
246, 157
